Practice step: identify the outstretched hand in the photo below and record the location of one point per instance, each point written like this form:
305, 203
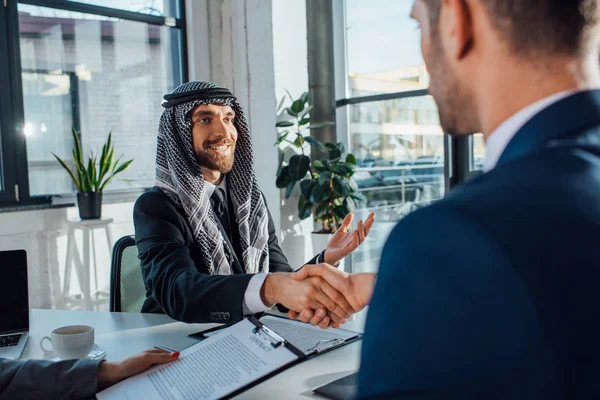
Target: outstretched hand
356, 288
345, 242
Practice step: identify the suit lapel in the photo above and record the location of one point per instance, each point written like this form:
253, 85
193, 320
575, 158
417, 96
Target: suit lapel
566, 117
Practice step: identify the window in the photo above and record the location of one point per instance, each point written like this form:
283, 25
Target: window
151, 7
97, 72
477, 152
393, 125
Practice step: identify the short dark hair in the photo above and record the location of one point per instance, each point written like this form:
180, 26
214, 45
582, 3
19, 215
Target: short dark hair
534, 26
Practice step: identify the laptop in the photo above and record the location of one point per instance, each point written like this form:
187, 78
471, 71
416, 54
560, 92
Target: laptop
14, 303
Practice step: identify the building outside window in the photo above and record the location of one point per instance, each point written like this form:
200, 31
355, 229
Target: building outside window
401, 151
96, 73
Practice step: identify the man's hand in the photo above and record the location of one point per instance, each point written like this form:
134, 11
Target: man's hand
356, 288
343, 242
312, 293
110, 373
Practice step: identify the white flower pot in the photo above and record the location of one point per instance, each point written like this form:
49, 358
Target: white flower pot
320, 242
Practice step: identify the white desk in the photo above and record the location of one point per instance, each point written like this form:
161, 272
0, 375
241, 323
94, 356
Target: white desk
124, 334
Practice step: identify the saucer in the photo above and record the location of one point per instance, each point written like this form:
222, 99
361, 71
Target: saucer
97, 353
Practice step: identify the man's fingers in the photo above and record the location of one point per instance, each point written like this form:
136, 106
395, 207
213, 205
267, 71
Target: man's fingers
301, 274
323, 300
306, 315
361, 232
346, 223
344, 309
292, 314
369, 224
320, 315
324, 324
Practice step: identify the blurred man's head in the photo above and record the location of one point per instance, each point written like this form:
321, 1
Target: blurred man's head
477, 46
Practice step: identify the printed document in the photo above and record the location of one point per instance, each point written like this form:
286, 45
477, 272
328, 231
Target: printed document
210, 369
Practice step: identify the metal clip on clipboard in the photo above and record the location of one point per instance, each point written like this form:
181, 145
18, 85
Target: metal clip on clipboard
326, 344
269, 335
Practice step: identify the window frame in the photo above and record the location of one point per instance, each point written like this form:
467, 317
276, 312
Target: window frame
457, 149
13, 150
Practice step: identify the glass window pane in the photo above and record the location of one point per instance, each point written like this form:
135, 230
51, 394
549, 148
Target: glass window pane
383, 48
399, 147
1, 159
167, 8
478, 152
99, 76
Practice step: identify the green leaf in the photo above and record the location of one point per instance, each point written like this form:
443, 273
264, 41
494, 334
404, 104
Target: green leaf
282, 138
320, 125
306, 111
299, 142
320, 193
280, 104
319, 166
299, 165
289, 189
297, 106
312, 141
122, 168
339, 187
342, 147
284, 124
284, 178
306, 187
341, 211
291, 112
322, 209
335, 153
304, 208
350, 159
324, 177
342, 170
304, 97
65, 166
304, 121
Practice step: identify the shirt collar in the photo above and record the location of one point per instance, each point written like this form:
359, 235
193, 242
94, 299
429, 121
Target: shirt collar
210, 188
499, 139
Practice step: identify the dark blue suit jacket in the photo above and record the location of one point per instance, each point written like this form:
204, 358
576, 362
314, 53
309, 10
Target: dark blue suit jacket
494, 291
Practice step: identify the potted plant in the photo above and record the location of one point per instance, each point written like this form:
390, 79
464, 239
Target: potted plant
328, 192
91, 177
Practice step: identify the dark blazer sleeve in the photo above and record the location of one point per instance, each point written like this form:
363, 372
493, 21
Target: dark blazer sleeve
38, 379
169, 272
450, 317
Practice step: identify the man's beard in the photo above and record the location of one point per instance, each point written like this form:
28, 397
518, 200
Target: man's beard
457, 116
216, 162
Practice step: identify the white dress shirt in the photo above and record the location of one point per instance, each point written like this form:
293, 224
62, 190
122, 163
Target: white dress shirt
499, 139
253, 304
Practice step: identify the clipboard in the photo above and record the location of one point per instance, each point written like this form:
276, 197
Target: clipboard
221, 367
277, 340
317, 351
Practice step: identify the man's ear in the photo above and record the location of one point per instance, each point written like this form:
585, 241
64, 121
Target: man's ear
459, 22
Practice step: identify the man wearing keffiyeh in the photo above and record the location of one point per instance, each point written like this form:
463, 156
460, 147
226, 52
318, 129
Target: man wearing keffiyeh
205, 238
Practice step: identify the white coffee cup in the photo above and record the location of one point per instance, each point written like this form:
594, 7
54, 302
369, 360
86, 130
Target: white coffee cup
71, 342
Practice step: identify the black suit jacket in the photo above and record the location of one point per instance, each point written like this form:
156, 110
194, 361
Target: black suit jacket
177, 280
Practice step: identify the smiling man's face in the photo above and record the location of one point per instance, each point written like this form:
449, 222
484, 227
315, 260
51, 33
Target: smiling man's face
214, 136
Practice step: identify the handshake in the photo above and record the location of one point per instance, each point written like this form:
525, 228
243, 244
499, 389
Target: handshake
319, 294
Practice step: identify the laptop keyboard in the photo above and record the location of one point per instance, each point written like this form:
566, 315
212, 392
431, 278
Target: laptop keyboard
10, 340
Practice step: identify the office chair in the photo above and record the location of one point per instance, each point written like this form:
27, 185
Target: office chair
127, 290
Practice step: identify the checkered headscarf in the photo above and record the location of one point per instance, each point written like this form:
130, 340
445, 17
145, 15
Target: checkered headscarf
179, 176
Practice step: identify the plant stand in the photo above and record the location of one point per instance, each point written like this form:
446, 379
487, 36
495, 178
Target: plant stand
83, 266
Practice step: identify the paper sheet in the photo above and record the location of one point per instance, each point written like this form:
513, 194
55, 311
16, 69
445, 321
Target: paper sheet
210, 369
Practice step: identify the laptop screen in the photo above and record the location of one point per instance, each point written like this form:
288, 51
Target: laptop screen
14, 298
